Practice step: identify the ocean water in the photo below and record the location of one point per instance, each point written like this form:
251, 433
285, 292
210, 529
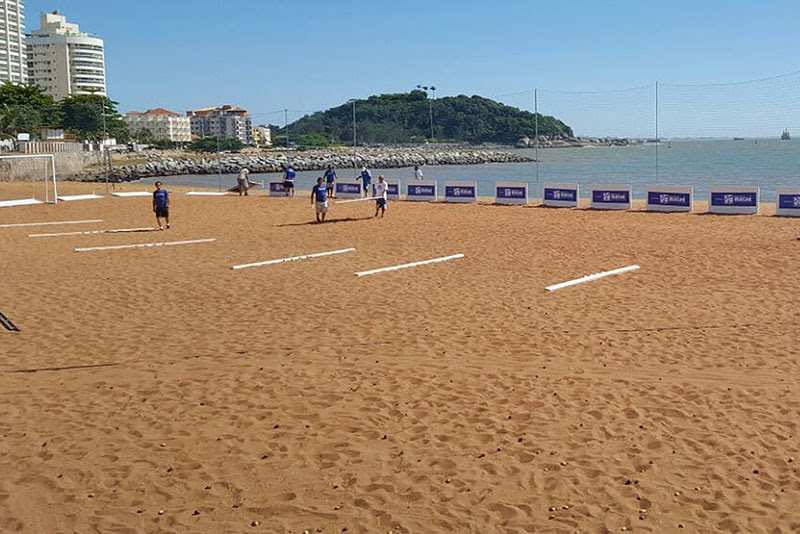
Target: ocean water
768, 163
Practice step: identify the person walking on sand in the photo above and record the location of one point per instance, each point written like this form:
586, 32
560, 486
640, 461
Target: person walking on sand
319, 198
380, 190
418, 173
288, 180
330, 180
161, 205
366, 179
243, 181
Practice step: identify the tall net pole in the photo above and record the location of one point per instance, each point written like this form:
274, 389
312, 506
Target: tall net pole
536, 128
355, 153
658, 140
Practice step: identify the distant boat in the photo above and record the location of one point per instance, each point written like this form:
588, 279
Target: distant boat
785, 135
738, 138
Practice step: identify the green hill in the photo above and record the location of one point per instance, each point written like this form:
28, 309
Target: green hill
404, 118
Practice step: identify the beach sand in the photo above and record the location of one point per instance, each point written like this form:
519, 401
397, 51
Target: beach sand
174, 394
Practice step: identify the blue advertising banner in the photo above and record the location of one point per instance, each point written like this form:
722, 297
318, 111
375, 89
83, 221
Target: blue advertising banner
734, 199
788, 202
348, 189
611, 197
276, 189
669, 199
461, 191
562, 195
512, 192
424, 190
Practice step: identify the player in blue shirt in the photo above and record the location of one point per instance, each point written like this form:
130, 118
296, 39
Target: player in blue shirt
319, 198
288, 180
161, 205
330, 180
366, 179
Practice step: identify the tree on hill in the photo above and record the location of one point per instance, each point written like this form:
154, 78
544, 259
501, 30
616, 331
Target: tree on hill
404, 118
25, 109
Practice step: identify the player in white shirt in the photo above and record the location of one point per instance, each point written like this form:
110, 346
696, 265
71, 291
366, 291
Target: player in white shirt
418, 173
380, 191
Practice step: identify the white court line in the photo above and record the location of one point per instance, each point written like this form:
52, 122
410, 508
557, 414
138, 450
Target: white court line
293, 258
591, 277
68, 198
19, 225
207, 193
90, 232
145, 245
123, 194
407, 265
22, 202
357, 200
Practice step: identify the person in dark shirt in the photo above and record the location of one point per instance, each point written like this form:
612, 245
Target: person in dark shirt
319, 198
161, 205
330, 179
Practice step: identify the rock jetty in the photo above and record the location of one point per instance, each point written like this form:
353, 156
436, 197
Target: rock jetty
176, 163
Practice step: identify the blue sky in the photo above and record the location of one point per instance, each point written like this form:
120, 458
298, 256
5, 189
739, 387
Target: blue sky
305, 55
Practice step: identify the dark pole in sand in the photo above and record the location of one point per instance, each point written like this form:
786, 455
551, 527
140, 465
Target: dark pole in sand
355, 150
430, 108
286, 131
219, 161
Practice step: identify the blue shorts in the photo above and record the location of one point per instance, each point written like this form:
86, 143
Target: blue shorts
366, 185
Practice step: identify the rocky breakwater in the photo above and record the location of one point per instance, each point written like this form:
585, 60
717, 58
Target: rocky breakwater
172, 163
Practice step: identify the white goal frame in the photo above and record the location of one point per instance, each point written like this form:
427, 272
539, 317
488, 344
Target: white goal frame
48, 176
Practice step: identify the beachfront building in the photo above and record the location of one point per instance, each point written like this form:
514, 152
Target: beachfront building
262, 136
13, 60
164, 125
65, 61
228, 122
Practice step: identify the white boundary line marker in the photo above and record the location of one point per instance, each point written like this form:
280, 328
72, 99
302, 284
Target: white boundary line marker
67, 198
22, 202
90, 232
407, 265
357, 200
20, 225
207, 193
145, 245
592, 277
293, 258
126, 194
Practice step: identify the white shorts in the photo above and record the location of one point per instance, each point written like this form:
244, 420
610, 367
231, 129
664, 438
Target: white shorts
322, 207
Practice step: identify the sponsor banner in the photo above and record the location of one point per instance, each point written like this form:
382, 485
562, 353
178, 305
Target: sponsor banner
461, 191
788, 204
669, 198
511, 192
421, 190
563, 195
738, 200
348, 189
611, 197
276, 189
393, 192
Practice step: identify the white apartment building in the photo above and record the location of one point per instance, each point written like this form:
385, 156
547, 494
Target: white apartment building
63, 60
163, 124
229, 122
13, 60
262, 136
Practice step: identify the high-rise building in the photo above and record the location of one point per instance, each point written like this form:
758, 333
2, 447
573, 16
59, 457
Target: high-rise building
262, 136
229, 122
161, 123
13, 61
63, 60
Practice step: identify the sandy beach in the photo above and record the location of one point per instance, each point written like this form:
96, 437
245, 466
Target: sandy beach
157, 390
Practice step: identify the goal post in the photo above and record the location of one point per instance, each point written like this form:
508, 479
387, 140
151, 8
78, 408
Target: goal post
49, 173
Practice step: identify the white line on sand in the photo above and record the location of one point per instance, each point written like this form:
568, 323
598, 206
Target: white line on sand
145, 245
19, 225
293, 258
124, 194
207, 193
407, 265
22, 202
90, 232
592, 277
67, 198
357, 200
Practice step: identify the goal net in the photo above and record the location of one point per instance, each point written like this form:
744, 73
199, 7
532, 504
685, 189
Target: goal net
30, 166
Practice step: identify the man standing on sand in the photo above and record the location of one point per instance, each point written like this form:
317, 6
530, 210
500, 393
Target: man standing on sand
330, 180
319, 198
366, 179
161, 205
288, 180
418, 173
381, 189
243, 181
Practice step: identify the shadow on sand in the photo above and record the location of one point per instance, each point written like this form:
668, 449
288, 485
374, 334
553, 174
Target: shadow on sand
327, 221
